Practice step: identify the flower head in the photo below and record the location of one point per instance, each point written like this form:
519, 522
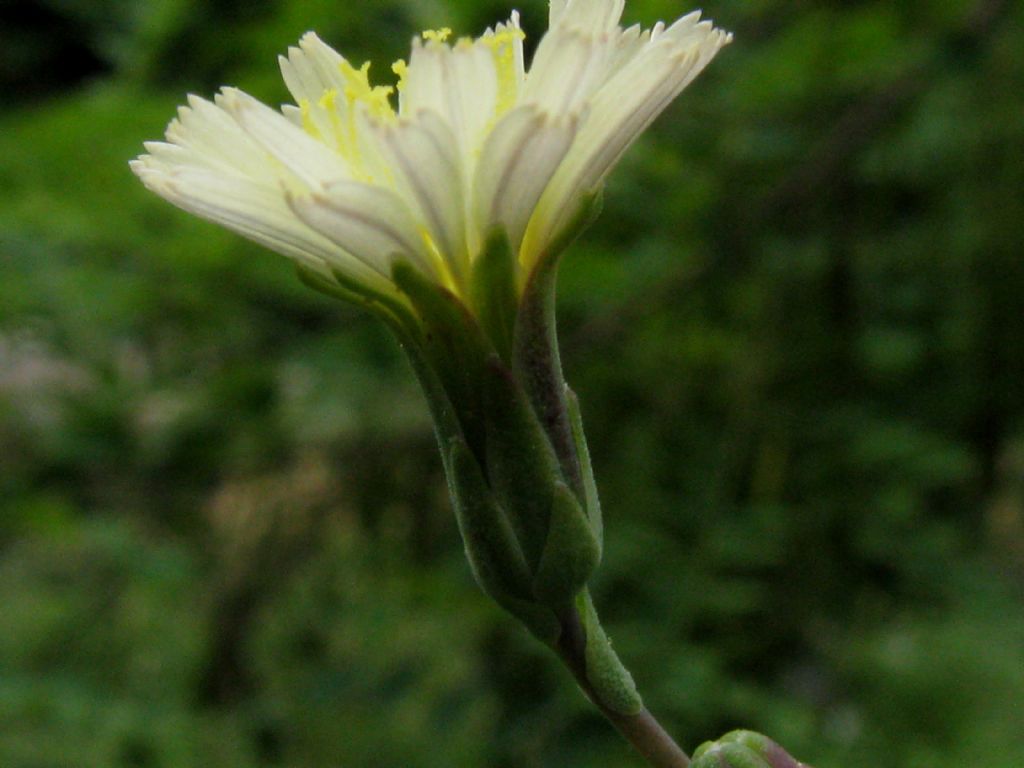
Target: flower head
355, 176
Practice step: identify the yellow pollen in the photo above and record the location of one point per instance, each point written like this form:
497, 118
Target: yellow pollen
401, 69
342, 110
437, 35
328, 100
307, 119
329, 103
502, 45
359, 90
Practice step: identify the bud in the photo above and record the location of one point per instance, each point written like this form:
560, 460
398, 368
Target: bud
743, 749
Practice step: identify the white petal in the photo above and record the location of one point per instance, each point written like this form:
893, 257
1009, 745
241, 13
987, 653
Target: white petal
518, 160
685, 25
253, 211
312, 68
293, 113
591, 16
307, 90
555, 10
637, 94
314, 75
619, 112
426, 81
310, 161
568, 66
370, 222
474, 87
428, 173
460, 84
214, 140
629, 44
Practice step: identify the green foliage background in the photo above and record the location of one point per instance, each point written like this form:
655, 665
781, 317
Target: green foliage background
797, 336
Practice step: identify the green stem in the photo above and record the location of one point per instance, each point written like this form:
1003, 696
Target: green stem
642, 730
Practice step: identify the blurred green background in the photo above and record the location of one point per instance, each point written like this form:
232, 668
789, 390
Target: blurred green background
798, 337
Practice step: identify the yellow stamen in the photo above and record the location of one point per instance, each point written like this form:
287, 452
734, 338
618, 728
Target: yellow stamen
358, 89
328, 99
437, 35
307, 119
329, 103
502, 45
401, 69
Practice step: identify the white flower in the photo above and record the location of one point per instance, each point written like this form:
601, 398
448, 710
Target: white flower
344, 182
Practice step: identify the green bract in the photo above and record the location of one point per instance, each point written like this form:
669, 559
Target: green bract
511, 437
514, 449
